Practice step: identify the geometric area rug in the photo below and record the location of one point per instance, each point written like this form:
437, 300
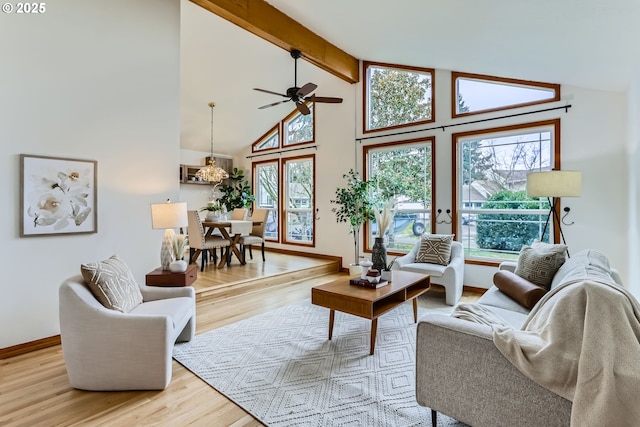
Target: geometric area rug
280, 367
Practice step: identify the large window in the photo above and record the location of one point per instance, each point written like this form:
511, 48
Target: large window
495, 218
298, 127
299, 199
397, 96
265, 175
404, 171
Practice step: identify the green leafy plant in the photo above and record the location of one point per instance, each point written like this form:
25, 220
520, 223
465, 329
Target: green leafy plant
238, 194
355, 207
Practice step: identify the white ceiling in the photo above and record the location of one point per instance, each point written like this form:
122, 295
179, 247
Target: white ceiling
585, 43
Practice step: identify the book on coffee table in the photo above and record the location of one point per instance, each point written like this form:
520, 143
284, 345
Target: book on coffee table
364, 283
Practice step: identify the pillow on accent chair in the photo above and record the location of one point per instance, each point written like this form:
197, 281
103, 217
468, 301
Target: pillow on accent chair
518, 289
539, 262
112, 283
435, 249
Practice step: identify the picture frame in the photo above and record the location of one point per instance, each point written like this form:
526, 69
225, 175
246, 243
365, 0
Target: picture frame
57, 196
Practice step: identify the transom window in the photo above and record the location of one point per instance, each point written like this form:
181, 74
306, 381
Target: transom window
477, 93
495, 218
299, 128
396, 96
268, 141
404, 171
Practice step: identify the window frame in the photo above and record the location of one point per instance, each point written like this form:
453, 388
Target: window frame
455, 75
292, 115
365, 94
457, 137
429, 140
255, 177
284, 210
267, 135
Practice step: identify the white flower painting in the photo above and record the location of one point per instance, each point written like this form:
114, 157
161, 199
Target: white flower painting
58, 196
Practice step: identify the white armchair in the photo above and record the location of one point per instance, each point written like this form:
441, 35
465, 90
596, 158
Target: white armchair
450, 276
106, 349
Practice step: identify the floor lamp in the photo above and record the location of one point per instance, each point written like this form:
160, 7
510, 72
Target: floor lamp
553, 185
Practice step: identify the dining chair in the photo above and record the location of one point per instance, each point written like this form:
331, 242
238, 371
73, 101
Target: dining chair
239, 213
257, 233
198, 239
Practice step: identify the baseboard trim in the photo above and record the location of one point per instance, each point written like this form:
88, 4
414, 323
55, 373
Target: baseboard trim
28, 347
305, 254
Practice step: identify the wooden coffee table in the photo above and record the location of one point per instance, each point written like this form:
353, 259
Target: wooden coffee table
370, 303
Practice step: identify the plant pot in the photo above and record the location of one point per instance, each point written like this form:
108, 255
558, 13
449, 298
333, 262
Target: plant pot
387, 275
178, 266
379, 254
355, 269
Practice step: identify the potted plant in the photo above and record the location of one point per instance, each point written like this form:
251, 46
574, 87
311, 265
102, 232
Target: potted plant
213, 210
354, 208
238, 193
179, 246
387, 273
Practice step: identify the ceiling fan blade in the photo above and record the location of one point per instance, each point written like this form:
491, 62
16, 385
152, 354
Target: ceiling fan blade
271, 92
302, 107
324, 99
273, 104
306, 89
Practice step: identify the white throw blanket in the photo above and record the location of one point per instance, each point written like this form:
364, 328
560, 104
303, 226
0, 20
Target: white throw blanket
582, 341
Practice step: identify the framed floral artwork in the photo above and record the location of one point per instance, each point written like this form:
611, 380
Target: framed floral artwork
57, 196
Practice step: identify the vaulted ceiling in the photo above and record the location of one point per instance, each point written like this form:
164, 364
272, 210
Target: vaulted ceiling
585, 43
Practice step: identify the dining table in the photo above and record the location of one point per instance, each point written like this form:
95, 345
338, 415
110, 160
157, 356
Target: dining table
232, 230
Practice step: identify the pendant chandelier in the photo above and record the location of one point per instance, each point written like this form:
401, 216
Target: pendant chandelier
212, 173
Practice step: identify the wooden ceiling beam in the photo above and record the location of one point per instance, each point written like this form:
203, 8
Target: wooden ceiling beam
267, 22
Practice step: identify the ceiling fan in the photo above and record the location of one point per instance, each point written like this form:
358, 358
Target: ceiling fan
299, 94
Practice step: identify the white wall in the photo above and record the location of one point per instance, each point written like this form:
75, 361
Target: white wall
593, 141
89, 80
633, 156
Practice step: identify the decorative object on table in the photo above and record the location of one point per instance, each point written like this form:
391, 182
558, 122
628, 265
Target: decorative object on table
384, 217
214, 211
179, 247
387, 273
57, 196
373, 275
365, 266
168, 216
212, 173
553, 185
238, 193
354, 208
364, 283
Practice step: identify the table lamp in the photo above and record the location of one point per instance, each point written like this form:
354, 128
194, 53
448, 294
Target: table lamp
168, 216
552, 185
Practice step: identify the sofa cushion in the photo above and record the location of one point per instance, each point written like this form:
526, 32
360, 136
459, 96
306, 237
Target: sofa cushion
179, 309
435, 249
434, 270
518, 289
112, 283
539, 262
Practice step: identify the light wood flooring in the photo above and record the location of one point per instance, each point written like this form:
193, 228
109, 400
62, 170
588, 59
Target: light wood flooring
35, 391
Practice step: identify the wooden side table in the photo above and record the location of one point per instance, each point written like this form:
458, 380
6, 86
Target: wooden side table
160, 277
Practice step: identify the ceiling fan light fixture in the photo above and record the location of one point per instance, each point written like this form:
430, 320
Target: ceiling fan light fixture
212, 172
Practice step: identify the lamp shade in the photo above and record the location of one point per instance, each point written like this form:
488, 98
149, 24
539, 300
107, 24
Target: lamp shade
554, 184
169, 215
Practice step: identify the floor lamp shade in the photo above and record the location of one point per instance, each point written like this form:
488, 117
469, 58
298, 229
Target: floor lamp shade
168, 216
554, 184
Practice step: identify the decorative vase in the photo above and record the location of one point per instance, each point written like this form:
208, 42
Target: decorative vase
365, 265
178, 266
387, 275
212, 216
379, 254
355, 269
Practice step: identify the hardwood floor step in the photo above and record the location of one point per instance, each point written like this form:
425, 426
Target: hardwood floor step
249, 285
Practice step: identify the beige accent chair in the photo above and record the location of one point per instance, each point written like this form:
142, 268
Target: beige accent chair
257, 233
239, 214
450, 276
106, 349
198, 241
